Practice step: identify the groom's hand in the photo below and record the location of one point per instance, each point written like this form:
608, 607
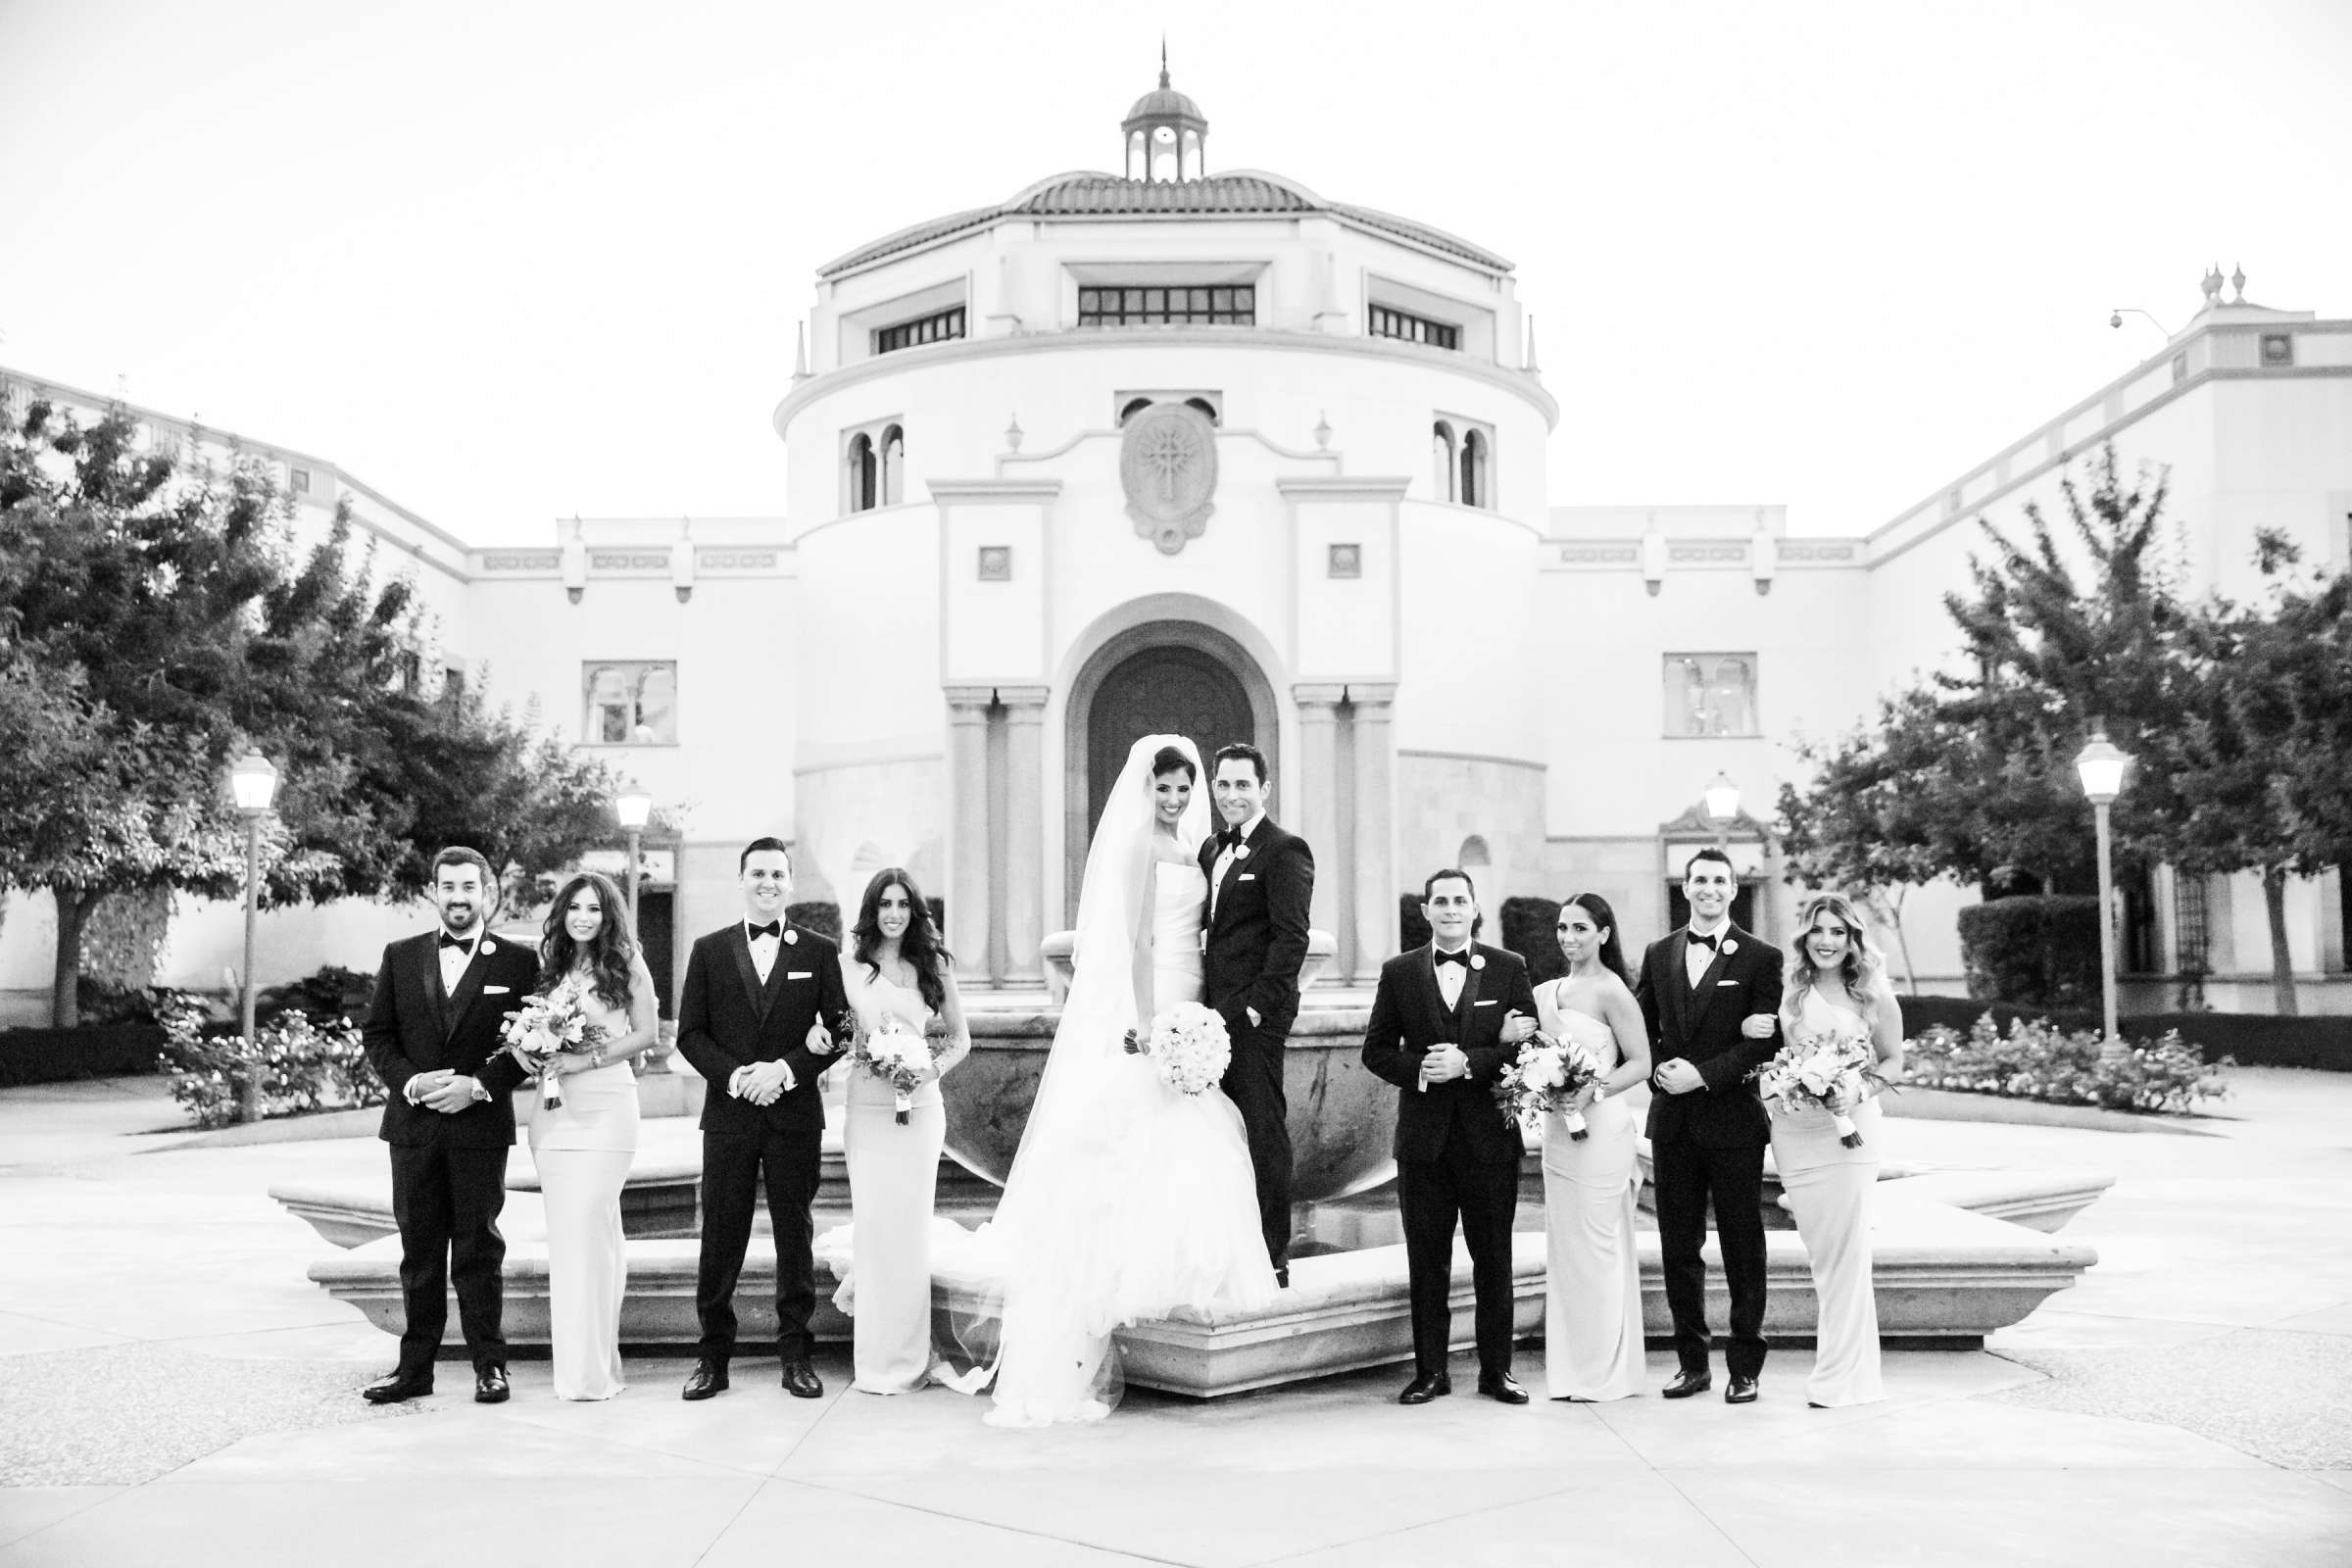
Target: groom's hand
1254, 1019
1677, 1077
1445, 1063
1517, 1027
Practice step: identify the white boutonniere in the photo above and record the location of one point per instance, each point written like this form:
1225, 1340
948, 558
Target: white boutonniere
488, 947
791, 935
1240, 851
1729, 947
1477, 961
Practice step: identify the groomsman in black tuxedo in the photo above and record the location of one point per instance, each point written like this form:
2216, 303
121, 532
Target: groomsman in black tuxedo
433, 1036
1710, 994
752, 1019
1446, 1020
1261, 881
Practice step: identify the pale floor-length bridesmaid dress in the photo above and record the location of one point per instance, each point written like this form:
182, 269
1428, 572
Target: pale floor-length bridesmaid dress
894, 1178
583, 1150
1592, 1275
1830, 1191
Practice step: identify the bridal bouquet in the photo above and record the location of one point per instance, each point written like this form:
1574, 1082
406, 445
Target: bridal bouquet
544, 1028
1187, 1047
1547, 1076
1817, 1068
897, 1054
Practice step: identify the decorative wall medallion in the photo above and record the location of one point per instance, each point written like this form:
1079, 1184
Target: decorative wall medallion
1168, 466
1347, 561
996, 563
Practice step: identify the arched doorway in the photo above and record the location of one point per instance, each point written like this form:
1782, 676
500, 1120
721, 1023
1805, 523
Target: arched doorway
1162, 678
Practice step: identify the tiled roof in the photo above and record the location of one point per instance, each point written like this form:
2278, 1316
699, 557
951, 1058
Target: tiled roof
1087, 196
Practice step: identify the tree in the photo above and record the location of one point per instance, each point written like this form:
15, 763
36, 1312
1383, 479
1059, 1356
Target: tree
155, 622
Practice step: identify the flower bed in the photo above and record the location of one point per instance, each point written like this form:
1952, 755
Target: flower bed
306, 1064
2034, 1059
2251, 1039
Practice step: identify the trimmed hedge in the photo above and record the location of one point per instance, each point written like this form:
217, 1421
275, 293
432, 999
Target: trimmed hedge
822, 918
2251, 1039
1412, 931
2038, 952
61, 1056
1528, 930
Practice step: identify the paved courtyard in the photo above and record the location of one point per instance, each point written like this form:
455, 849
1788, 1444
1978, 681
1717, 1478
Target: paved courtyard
173, 1390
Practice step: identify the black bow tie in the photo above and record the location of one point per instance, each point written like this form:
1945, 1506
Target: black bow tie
1462, 958
448, 941
1230, 838
773, 928
1709, 943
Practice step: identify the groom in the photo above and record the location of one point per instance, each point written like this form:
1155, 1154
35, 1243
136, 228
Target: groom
432, 1035
757, 992
1710, 995
1260, 882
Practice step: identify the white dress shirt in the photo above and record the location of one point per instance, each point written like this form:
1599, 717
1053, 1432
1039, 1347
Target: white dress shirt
764, 949
1450, 978
1696, 959
1224, 863
452, 969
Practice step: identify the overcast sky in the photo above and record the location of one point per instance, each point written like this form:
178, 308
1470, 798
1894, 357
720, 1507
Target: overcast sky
508, 262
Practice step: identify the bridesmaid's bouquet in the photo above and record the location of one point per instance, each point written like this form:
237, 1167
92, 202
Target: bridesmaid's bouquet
1825, 1069
1189, 1047
897, 1053
1546, 1077
545, 1027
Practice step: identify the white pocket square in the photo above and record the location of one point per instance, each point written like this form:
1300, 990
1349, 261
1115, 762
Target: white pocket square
811, 974
498, 990
1726, 982
1247, 876
1487, 1002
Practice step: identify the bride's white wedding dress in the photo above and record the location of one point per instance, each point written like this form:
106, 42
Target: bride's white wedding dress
1127, 1200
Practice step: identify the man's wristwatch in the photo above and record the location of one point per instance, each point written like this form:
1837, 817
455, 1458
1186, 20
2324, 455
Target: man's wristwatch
480, 1089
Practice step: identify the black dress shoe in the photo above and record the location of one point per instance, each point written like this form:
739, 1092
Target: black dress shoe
1685, 1384
490, 1386
801, 1381
1740, 1390
397, 1389
710, 1377
1502, 1389
1422, 1389
1282, 1278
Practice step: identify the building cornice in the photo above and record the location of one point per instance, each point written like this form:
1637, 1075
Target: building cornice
994, 492
1342, 487
1091, 340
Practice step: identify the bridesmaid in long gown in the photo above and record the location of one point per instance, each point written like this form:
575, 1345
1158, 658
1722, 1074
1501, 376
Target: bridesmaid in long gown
1838, 982
583, 1148
1592, 1291
896, 966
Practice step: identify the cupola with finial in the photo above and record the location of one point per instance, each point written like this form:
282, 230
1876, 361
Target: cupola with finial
1165, 132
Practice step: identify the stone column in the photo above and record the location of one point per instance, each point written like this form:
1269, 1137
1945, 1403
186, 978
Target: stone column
1314, 789
1376, 885
1024, 832
966, 891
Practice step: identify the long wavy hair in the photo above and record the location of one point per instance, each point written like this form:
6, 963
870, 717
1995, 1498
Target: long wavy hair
920, 947
1859, 969
608, 952
1612, 946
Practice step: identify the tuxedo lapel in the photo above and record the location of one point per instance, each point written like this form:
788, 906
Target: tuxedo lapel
774, 991
470, 984
740, 946
1675, 985
437, 996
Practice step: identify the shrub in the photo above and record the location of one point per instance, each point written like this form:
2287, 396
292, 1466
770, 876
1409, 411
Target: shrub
331, 993
1412, 931
822, 918
305, 1067
2038, 1060
2040, 952
1527, 930
103, 1002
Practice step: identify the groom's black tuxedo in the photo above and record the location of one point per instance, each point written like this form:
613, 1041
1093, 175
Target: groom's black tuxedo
1457, 1154
728, 1019
1710, 1141
1254, 942
449, 1171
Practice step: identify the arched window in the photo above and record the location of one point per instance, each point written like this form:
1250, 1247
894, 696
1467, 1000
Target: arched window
1474, 857
1135, 405
1137, 168
894, 460
1208, 409
1441, 457
862, 472
1192, 155
1474, 470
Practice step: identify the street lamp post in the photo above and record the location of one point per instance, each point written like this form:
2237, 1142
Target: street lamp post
1722, 798
2103, 765
253, 783
633, 809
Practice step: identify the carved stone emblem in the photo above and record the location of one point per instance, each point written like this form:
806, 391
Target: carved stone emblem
1168, 466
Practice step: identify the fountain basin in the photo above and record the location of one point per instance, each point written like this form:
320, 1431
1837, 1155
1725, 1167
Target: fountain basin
1343, 1118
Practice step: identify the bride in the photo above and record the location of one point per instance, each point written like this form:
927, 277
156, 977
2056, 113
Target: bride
1127, 1199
